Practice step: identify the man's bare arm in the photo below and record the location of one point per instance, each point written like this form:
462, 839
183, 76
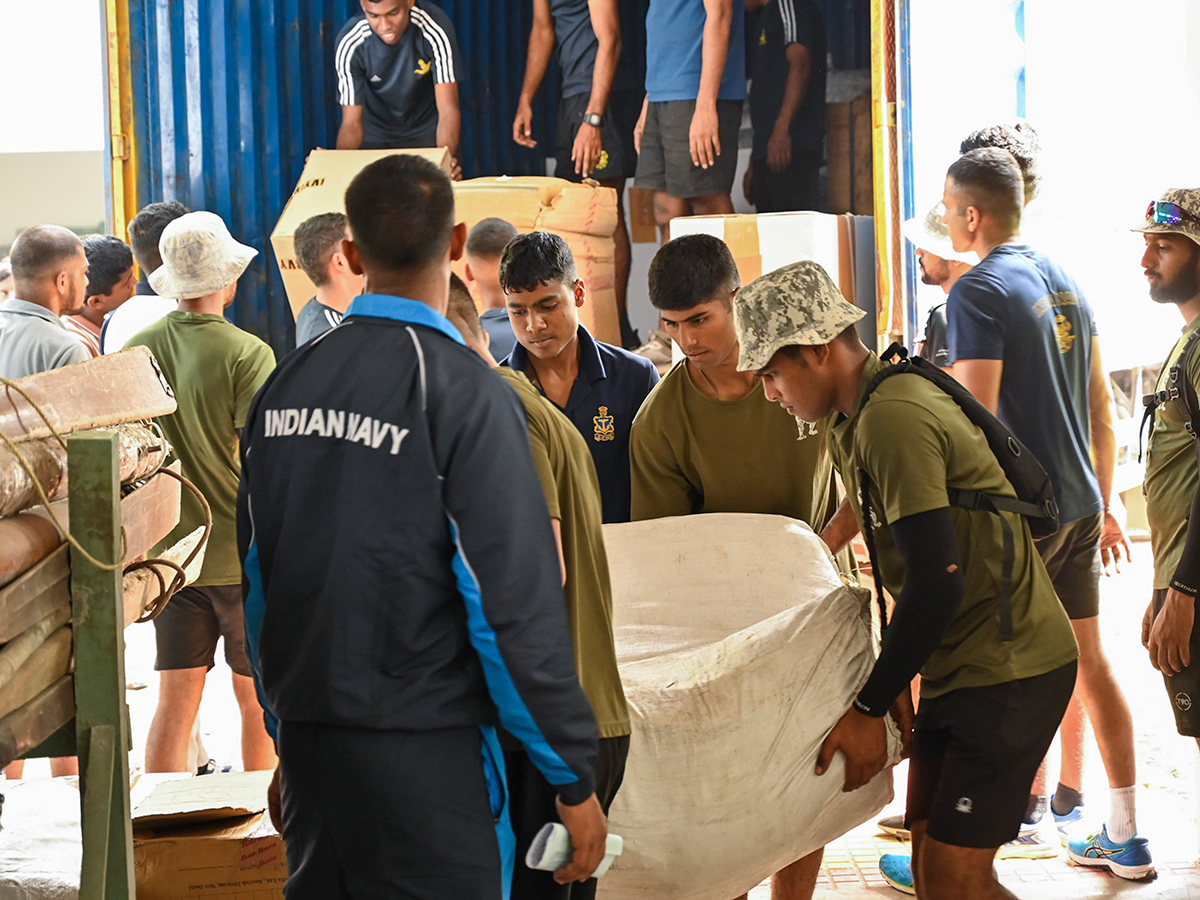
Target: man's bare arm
779, 147
449, 125
350, 134
585, 153
704, 138
982, 378
1104, 458
537, 58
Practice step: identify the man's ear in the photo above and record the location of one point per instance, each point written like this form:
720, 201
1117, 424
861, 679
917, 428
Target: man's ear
458, 241
468, 276
972, 219
580, 292
353, 259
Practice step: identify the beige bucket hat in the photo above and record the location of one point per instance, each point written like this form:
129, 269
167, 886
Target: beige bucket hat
199, 257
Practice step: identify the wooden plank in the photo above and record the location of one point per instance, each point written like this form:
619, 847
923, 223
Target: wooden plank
27, 727
35, 594
48, 663
100, 653
61, 743
14, 654
150, 513
25, 539
105, 391
97, 801
140, 586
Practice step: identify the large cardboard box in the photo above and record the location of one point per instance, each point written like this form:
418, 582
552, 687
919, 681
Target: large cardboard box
208, 838
584, 215
321, 189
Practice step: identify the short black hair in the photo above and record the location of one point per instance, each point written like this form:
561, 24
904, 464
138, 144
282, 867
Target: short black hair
461, 306
991, 180
109, 258
535, 259
316, 240
691, 270
146, 228
1020, 139
401, 212
5, 268
489, 237
40, 252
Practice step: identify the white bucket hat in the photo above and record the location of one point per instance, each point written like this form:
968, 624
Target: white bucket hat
931, 235
199, 257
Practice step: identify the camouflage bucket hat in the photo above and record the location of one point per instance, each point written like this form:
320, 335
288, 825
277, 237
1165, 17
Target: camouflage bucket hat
1188, 202
797, 304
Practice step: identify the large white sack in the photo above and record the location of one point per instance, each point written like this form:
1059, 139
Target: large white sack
739, 650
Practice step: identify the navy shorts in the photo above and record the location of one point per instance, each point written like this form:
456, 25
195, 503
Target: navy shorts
618, 160
187, 630
379, 814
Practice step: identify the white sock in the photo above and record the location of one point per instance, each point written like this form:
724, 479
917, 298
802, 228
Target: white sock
1122, 816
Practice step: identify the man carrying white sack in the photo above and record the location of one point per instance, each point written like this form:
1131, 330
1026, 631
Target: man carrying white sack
996, 675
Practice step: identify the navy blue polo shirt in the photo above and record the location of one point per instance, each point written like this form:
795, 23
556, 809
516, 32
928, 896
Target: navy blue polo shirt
606, 395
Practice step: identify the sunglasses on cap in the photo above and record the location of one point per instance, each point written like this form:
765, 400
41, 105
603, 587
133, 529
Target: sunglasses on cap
1160, 212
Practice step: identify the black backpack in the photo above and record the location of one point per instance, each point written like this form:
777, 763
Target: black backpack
1035, 494
1179, 389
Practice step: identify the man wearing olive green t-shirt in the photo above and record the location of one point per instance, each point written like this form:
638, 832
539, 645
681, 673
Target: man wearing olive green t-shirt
991, 701
215, 369
569, 481
707, 441
1172, 485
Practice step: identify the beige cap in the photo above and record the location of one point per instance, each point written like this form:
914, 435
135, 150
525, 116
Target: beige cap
796, 304
199, 257
1187, 199
931, 235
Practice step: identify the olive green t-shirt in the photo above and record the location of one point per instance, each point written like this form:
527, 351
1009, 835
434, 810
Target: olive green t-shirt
913, 440
568, 475
1172, 471
215, 369
692, 454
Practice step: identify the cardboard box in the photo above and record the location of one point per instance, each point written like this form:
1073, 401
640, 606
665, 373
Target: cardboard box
842, 245
584, 215
208, 838
851, 170
321, 189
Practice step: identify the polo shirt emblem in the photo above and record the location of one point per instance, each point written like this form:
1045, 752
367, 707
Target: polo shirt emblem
422, 68
1062, 330
762, 38
604, 426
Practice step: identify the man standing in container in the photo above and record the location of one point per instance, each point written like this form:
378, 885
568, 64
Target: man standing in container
397, 71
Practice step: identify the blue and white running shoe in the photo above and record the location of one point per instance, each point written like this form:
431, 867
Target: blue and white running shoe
896, 869
1128, 860
1068, 825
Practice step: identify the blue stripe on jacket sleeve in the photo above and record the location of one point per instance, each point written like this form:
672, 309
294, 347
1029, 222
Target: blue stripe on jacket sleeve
514, 714
255, 607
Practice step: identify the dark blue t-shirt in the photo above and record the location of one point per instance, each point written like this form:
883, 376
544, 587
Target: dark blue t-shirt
769, 32
577, 47
1019, 307
606, 395
499, 329
675, 31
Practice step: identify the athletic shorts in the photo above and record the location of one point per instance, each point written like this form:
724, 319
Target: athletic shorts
1072, 557
797, 187
186, 631
533, 806
618, 159
665, 163
1184, 689
415, 814
975, 752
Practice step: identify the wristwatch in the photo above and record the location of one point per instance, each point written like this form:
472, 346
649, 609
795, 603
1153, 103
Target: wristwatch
594, 119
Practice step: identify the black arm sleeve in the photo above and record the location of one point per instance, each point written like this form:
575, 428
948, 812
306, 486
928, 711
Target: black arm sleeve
928, 602
1187, 574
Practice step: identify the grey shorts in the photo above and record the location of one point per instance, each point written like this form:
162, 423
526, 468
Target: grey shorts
665, 163
1072, 557
186, 631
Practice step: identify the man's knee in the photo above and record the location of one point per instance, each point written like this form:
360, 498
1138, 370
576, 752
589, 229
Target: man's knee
712, 205
181, 688
947, 872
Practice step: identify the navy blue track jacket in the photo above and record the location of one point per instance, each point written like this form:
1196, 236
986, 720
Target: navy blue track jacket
382, 591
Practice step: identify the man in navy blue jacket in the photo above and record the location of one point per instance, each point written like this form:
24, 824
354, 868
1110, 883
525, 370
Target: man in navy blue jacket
389, 620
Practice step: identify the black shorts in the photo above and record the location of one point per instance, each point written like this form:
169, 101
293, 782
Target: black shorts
619, 158
1184, 689
1072, 557
665, 163
413, 814
186, 631
975, 752
797, 187
533, 806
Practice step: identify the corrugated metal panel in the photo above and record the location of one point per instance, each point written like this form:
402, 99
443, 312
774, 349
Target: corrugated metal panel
229, 96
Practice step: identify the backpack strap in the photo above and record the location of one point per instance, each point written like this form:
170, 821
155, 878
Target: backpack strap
1178, 388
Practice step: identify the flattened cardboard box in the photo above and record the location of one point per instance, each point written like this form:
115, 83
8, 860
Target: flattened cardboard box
208, 838
321, 189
